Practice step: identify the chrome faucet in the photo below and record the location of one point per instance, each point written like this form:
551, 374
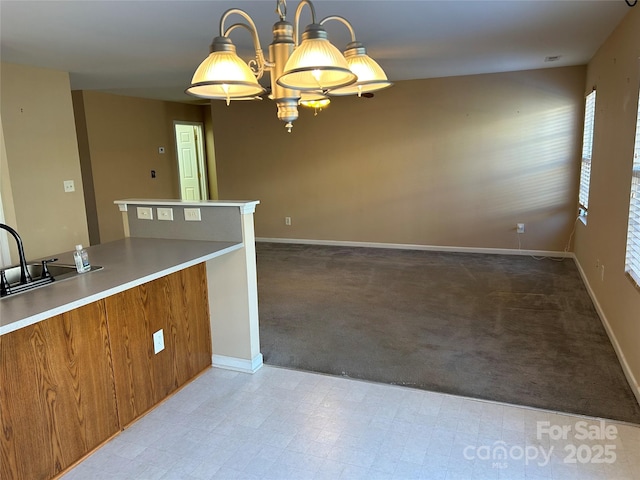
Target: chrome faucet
24, 274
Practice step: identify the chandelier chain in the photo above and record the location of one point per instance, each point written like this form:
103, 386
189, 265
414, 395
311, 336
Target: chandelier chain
281, 9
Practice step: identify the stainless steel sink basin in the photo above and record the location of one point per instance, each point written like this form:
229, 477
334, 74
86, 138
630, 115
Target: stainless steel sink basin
57, 272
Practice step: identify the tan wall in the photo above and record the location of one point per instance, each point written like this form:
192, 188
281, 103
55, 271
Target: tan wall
8, 252
41, 152
450, 162
123, 135
615, 71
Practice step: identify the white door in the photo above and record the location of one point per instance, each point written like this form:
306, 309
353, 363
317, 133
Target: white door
190, 163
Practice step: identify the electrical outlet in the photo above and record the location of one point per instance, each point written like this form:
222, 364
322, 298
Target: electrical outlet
69, 186
192, 215
145, 213
158, 341
519, 227
287, 221
165, 213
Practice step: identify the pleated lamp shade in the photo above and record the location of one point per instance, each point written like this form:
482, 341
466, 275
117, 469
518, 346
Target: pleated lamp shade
223, 75
316, 64
371, 77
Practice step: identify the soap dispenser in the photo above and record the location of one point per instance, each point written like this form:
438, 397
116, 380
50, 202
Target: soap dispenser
81, 257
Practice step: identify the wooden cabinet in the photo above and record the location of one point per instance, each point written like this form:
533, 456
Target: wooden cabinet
69, 383
57, 395
176, 304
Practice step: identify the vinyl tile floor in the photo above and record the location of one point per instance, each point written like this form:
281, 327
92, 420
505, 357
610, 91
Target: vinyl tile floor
285, 424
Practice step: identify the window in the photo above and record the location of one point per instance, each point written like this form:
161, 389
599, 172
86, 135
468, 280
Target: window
587, 145
632, 260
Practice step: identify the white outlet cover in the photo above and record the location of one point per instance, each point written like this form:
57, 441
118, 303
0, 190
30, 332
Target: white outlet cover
145, 213
165, 213
158, 341
69, 186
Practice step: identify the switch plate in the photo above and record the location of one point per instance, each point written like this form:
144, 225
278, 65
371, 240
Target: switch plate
519, 227
69, 186
287, 221
158, 341
192, 215
145, 213
165, 213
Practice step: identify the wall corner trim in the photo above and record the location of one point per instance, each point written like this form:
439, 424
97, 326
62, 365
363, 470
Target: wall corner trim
238, 364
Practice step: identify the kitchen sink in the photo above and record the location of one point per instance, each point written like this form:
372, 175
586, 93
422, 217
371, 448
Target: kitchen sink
57, 272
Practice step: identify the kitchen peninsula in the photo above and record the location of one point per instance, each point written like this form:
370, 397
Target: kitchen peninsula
82, 358
127, 263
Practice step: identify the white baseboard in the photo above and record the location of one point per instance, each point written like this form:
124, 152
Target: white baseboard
238, 364
408, 246
633, 382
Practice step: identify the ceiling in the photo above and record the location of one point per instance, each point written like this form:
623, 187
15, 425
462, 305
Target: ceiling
151, 48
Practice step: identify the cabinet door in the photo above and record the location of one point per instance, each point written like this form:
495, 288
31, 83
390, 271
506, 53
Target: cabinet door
57, 394
189, 323
176, 304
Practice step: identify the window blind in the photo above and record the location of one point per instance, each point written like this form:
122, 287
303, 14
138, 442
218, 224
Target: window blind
587, 146
632, 261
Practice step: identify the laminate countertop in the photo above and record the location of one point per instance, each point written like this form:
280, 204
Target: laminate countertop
126, 263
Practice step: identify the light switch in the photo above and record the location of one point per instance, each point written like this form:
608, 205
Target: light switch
145, 213
192, 215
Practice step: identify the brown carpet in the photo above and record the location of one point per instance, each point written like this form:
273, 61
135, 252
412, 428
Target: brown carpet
499, 327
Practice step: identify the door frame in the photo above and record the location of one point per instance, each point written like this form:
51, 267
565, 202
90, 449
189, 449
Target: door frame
203, 175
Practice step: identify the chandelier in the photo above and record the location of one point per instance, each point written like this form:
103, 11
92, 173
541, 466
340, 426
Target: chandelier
311, 69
